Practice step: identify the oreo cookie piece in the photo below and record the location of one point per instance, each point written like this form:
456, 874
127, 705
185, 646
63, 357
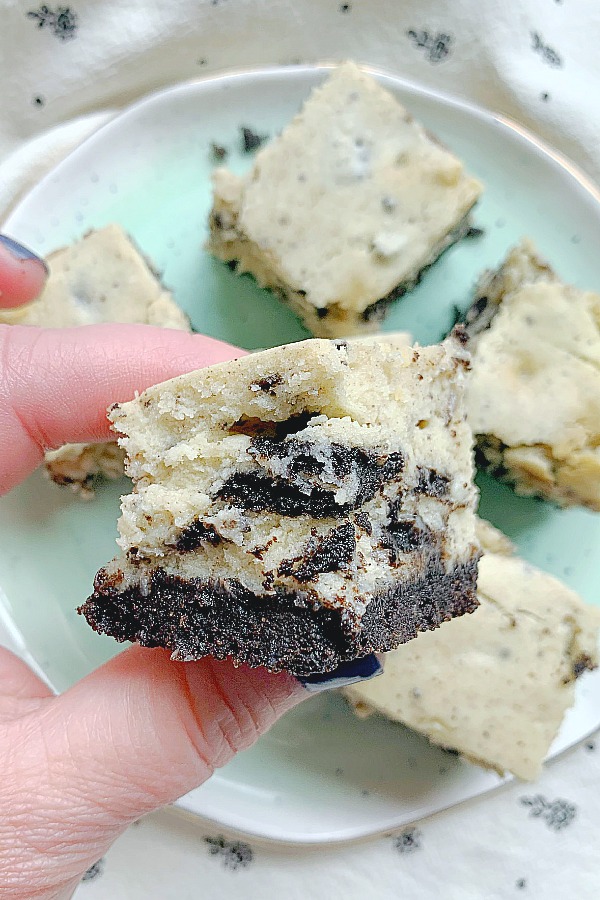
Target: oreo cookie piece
298, 508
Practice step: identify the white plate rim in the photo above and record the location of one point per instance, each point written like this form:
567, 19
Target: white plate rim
564, 167
561, 161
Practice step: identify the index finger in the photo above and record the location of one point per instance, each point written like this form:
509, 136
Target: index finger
56, 384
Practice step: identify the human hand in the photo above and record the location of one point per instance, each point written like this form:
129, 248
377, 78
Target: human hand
141, 730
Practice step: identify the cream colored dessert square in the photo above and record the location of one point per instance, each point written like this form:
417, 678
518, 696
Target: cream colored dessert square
342, 212
494, 685
101, 278
296, 508
534, 395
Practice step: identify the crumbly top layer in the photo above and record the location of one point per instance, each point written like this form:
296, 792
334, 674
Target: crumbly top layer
249, 467
349, 200
493, 685
373, 386
101, 278
536, 366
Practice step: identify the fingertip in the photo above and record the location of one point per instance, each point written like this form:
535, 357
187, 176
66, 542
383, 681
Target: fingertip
22, 274
60, 382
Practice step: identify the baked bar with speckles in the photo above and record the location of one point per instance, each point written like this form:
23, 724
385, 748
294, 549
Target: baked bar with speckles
101, 278
344, 210
533, 399
297, 508
495, 685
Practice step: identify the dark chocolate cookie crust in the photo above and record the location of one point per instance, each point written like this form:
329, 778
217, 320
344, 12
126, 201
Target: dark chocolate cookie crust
284, 632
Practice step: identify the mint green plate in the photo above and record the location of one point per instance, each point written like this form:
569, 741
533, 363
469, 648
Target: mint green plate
320, 775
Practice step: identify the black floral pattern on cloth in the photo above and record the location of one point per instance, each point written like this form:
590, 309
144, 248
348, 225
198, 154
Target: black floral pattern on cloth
94, 871
234, 854
546, 52
437, 46
62, 21
408, 841
557, 814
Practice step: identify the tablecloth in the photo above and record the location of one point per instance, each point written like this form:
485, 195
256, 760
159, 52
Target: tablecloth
64, 70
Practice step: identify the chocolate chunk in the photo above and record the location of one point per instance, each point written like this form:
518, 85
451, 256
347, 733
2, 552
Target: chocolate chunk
195, 534
258, 493
432, 483
267, 384
363, 521
404, 534
305, 458
322, 312
328, 553
254, 491
253, 426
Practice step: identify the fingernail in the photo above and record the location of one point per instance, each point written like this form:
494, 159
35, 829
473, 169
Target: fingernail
348, 673
20, 252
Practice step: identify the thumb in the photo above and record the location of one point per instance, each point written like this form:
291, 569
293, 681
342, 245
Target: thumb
22, 273
142, 730
134, 735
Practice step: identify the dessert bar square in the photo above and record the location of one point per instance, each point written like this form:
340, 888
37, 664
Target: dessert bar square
495, 685
344, 210
533, 399
101, 278
296, 508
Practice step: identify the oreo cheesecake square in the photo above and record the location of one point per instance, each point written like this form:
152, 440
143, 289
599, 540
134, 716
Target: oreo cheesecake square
493, 686
344, 210
297, 508
533, 400
101, 278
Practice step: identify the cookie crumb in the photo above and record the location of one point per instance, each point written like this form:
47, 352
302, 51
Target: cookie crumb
94, 871
234, 854
218, 151
251, 140
475, 231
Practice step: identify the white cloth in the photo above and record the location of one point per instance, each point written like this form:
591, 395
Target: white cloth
534, 60
62, 69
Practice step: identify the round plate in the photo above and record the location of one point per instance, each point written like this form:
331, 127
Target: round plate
320, 774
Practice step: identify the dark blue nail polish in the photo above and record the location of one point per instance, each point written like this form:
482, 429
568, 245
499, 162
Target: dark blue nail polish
19, 251
346, 674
